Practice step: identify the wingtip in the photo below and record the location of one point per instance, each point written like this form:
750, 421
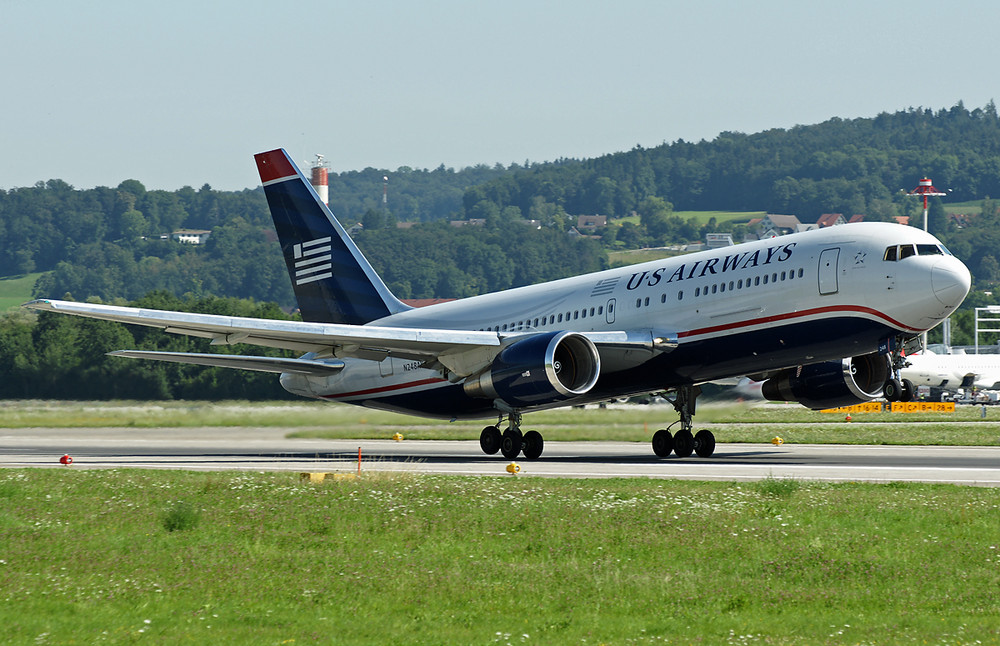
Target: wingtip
38, 304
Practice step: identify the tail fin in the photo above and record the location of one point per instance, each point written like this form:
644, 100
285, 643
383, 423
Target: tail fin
333, 281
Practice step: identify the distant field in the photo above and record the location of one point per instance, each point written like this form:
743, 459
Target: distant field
973, 207
634, 256
15, 290
702, 217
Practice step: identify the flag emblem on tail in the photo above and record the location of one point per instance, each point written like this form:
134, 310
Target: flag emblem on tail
313, 260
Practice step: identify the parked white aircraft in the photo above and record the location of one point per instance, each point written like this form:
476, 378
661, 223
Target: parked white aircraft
953, 371
788, 310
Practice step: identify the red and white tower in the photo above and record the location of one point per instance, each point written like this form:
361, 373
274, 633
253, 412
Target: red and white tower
319, 179
926, 189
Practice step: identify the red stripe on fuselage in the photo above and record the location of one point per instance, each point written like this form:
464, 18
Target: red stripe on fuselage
790, 315
382, 389
273, 165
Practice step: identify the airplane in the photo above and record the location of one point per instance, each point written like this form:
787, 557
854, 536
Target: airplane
823, 316
953, 371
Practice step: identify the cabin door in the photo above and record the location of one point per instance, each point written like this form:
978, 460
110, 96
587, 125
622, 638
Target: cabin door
828, 271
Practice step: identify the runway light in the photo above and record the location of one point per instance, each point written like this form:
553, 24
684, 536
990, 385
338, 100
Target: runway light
777, 441
66, 460
848, 418
513, 468
398, 437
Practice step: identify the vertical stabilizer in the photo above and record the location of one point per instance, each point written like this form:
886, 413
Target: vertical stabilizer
333, 281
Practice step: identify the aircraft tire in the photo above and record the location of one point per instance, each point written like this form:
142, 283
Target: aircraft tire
683, 443
532, 445
908, 392
663, 443
489, 440
510, 444
891, 390
704, 443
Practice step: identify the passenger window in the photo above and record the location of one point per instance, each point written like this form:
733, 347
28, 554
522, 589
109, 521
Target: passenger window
756, 280
600, 310
576, 315
536, 322
765, 279
697, 291
905, 251
663, 298
504, 327
722, 287
646, 302
583, 313
560, 317
638, 302
800, 272
715, 288
591, 311
890, 254
680, 295
782, 275
730, 285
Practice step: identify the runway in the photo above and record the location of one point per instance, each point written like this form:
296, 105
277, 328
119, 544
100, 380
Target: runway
267, 449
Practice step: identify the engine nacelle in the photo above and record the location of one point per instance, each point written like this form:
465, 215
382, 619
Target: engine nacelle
832, 383
539, 369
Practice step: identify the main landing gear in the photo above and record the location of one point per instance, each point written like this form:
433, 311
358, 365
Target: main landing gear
683, 442
512, 442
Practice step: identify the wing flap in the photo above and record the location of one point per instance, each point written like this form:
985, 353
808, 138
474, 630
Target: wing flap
240, 362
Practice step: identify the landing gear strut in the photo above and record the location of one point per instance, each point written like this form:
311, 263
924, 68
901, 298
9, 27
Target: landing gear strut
683, 442
512, 442
896, 389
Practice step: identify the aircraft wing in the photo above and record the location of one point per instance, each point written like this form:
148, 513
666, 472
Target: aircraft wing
462, 352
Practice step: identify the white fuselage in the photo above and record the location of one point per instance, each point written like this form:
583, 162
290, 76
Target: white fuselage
807, 297
953, 371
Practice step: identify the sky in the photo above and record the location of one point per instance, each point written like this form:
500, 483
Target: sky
183, 93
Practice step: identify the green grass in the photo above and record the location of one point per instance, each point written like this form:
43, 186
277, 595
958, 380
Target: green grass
86, 557
15, 290
635, 423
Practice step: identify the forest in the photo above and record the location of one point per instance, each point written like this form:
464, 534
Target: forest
113, 244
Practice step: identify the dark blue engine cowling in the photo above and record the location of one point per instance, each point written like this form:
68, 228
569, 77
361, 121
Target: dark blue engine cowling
540, 369
831, 383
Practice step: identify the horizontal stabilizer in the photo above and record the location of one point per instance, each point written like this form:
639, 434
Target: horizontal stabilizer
240, 362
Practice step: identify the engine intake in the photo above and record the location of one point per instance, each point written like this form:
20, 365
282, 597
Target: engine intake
832, 383
540, 369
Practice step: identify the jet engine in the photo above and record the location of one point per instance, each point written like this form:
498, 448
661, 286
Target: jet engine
539, 369
831, 383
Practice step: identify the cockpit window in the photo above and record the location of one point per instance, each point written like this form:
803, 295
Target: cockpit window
928, 250
890, 254
906, 250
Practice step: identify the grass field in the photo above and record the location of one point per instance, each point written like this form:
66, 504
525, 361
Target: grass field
15, 290
731, 422
702, 217
168, 557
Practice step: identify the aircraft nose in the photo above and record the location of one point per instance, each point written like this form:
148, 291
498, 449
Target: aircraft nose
950, 280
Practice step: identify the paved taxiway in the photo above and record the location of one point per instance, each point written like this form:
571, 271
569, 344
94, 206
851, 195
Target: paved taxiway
267, 449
